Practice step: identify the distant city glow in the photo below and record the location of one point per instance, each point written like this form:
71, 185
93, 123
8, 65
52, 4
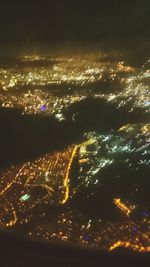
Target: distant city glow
23, 87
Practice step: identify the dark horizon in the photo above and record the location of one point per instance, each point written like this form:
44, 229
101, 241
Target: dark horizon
52, 21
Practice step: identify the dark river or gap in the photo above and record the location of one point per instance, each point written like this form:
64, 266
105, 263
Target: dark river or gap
75, 145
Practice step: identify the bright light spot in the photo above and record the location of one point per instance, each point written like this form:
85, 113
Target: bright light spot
25, 197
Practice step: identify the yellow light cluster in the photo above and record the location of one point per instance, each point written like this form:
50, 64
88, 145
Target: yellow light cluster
66, 179
127, 244
121, 67
122, 206
12, 222
146, 128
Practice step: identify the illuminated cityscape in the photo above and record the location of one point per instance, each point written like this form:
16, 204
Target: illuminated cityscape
53, 84
30, 190
92, 193
36, 182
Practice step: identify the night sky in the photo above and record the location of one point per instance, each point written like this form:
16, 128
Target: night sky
68, 20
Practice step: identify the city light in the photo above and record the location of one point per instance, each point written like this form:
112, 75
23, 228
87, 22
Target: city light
89, 192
